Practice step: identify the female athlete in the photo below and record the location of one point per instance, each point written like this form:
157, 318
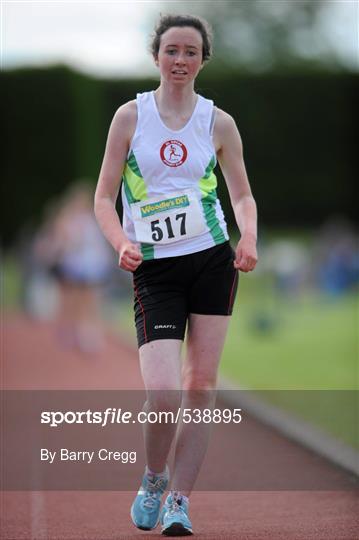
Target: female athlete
174, 240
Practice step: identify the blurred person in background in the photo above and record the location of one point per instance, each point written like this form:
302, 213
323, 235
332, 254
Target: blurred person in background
336, 257
72, 248
174, 240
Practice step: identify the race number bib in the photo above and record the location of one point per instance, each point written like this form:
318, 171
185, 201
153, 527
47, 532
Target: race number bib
160, 220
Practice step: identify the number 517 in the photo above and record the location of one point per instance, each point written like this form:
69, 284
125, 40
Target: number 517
157, 231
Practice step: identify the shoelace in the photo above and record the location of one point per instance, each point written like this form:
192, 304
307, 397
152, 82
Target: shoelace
175, 506
150, 498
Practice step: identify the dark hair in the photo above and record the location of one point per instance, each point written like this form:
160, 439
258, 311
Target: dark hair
169, 21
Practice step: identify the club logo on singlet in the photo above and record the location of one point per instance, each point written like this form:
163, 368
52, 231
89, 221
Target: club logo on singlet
173, 153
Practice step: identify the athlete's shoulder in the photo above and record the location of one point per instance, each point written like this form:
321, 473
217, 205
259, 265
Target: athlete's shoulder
224, 122
124, 121
225, 130
127, 112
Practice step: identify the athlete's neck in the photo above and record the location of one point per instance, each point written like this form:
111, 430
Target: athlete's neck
180, 101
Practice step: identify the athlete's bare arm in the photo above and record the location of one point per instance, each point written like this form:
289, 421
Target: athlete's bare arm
229, 149
119, 137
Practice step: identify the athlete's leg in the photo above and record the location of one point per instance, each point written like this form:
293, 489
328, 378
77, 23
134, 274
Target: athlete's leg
205, 340
160, 366
161, 371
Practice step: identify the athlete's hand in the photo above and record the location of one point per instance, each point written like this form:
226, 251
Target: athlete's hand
246, 254
130, 256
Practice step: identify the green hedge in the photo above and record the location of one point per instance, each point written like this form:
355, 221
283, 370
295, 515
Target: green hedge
297, 129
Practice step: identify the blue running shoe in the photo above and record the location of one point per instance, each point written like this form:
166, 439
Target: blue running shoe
145, 509
174, 517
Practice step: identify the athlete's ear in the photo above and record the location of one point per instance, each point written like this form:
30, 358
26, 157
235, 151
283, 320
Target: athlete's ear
155, 58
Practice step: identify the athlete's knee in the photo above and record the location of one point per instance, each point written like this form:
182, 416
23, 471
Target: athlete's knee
196, 379
163, 400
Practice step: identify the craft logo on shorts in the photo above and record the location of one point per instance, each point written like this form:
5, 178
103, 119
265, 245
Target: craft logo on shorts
173, 153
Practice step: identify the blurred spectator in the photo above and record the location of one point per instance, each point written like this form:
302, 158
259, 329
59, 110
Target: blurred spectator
336, 257
288, 261
71, 247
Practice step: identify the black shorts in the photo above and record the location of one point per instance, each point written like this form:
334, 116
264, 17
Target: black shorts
167, 290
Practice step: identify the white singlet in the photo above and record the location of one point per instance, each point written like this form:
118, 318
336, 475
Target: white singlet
169, 193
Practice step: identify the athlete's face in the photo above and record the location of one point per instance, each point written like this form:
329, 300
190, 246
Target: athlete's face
180, 54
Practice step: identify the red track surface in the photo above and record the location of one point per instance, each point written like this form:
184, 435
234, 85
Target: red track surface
31, 360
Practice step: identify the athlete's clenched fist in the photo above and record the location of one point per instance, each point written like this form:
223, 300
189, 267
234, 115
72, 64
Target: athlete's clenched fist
130, 257
246, 254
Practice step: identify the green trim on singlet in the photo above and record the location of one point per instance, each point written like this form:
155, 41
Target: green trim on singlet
148, 251
135, 187
208, 182
136, 190
130, 198
209, 210
132, 163
208, 185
